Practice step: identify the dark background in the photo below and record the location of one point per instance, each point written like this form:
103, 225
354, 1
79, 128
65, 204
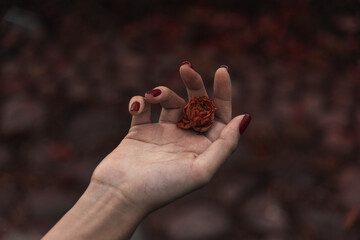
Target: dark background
69, 68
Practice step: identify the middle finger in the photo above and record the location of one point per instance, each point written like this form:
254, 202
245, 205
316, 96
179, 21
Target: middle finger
192, 80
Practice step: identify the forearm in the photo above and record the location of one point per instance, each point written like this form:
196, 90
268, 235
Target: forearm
100, 213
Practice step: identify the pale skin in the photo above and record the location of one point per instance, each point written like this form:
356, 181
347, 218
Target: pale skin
154, 164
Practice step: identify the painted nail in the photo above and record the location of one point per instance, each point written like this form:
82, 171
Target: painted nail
135, 106
188, 63
225, 66
244, 123
154, 92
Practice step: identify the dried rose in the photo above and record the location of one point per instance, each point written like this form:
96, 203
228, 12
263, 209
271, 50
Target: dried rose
198, 114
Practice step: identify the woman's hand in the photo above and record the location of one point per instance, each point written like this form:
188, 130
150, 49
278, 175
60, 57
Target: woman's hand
159, 162
155, 163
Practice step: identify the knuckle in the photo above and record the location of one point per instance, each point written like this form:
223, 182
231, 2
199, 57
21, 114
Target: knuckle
202, 175
232, 146
229, 144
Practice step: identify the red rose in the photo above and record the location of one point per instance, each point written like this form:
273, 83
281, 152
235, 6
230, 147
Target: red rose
198, 114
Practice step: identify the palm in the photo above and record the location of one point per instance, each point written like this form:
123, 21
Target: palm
158, 162
163, 155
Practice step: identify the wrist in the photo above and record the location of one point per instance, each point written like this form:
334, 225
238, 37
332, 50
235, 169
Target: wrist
100, 213
112, 198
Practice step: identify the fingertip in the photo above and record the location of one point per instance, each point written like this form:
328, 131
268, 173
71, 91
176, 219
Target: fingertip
223, 70
187, 69
245, 121
136, 105
156, 95
154, 92
187, 64
225, 67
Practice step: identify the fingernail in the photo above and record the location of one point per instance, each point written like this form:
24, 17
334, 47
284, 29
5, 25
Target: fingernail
225, 66
244, 123
154, 92
135, 106
188, 63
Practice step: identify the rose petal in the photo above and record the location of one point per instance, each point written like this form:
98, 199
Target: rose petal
183, 123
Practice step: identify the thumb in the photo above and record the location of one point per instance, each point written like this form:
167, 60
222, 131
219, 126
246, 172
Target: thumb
216, 154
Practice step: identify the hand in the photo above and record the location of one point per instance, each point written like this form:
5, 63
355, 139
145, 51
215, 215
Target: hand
159, 162
155, 163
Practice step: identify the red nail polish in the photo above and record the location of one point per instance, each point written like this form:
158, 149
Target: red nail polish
135, 106
154, 92
244, 123
188, 63
225, 66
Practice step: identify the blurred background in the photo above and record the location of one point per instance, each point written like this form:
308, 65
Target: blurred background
69, 68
